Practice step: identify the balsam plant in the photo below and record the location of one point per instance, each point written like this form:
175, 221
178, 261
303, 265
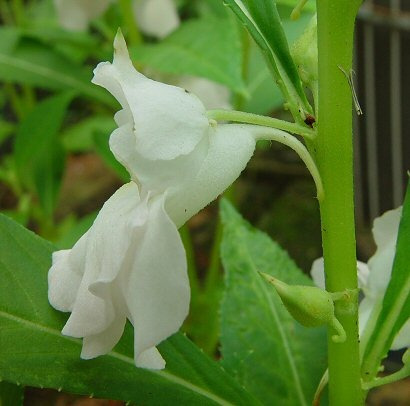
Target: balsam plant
130, 262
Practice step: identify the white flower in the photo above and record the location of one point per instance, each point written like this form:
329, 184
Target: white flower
75, 15
131, 263
375, 276
157, 18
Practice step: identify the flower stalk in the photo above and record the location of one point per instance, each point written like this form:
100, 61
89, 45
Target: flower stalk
334, 154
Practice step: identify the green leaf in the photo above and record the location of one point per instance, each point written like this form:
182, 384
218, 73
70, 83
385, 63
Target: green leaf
33, 351
272, 356
79, 137
33, 63
38, 153
395, 309
262, 20
208, 47
10, 394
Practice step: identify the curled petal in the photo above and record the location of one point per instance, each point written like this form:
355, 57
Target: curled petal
157, 18
166, 120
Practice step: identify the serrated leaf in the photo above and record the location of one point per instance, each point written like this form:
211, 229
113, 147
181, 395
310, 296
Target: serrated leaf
272, 356
262, 20
38, 153
33, 351
395, 309
11, 394
33, 63
208, 47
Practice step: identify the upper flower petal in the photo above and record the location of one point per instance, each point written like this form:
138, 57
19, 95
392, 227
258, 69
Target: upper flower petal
166, 120
159, 175
156, 17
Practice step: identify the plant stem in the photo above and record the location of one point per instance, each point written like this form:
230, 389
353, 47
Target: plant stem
334, 155
250, 118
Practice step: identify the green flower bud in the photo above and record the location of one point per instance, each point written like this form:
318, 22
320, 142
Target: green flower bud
309, 305
305, 56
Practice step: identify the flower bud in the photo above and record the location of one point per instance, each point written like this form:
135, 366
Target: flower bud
305, 56
309, 305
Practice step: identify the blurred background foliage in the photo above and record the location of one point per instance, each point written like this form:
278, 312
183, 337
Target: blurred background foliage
56, 169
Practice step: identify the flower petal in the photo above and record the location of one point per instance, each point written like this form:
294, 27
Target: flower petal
231, 146
97, 303
150, 359
104, 342
157, 18
213, 95
160, 175
317, 272
402, 339
75, 14
385, 230
65, 274
156, 288
166, 120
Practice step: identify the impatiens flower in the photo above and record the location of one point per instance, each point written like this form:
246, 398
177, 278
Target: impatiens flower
157, 18
375, 276
131, 263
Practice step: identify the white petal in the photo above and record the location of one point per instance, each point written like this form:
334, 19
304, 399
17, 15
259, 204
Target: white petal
385, 230
160, 175
402, 339
65, 274
317, 273
150, 359
156, 288
213, 95
366, 307
97, 303
231, 147
363, 273
157, 18
167, 121
76, 14
104, 342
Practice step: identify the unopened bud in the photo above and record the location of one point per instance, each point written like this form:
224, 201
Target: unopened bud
309, 305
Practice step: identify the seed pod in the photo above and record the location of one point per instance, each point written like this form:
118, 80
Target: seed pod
310, 306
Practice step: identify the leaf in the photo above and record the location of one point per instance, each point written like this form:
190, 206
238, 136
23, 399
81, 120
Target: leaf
271, 355
264, 93
262, 20
33, 351
38, 152
11, 395
33, 63
208, 47
79, 137
395, 309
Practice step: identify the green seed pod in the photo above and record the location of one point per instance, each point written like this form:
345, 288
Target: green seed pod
310, 306
304, 53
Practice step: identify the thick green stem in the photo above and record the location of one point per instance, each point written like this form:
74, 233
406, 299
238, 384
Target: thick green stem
335, 159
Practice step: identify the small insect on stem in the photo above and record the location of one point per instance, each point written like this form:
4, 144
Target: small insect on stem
349, 77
